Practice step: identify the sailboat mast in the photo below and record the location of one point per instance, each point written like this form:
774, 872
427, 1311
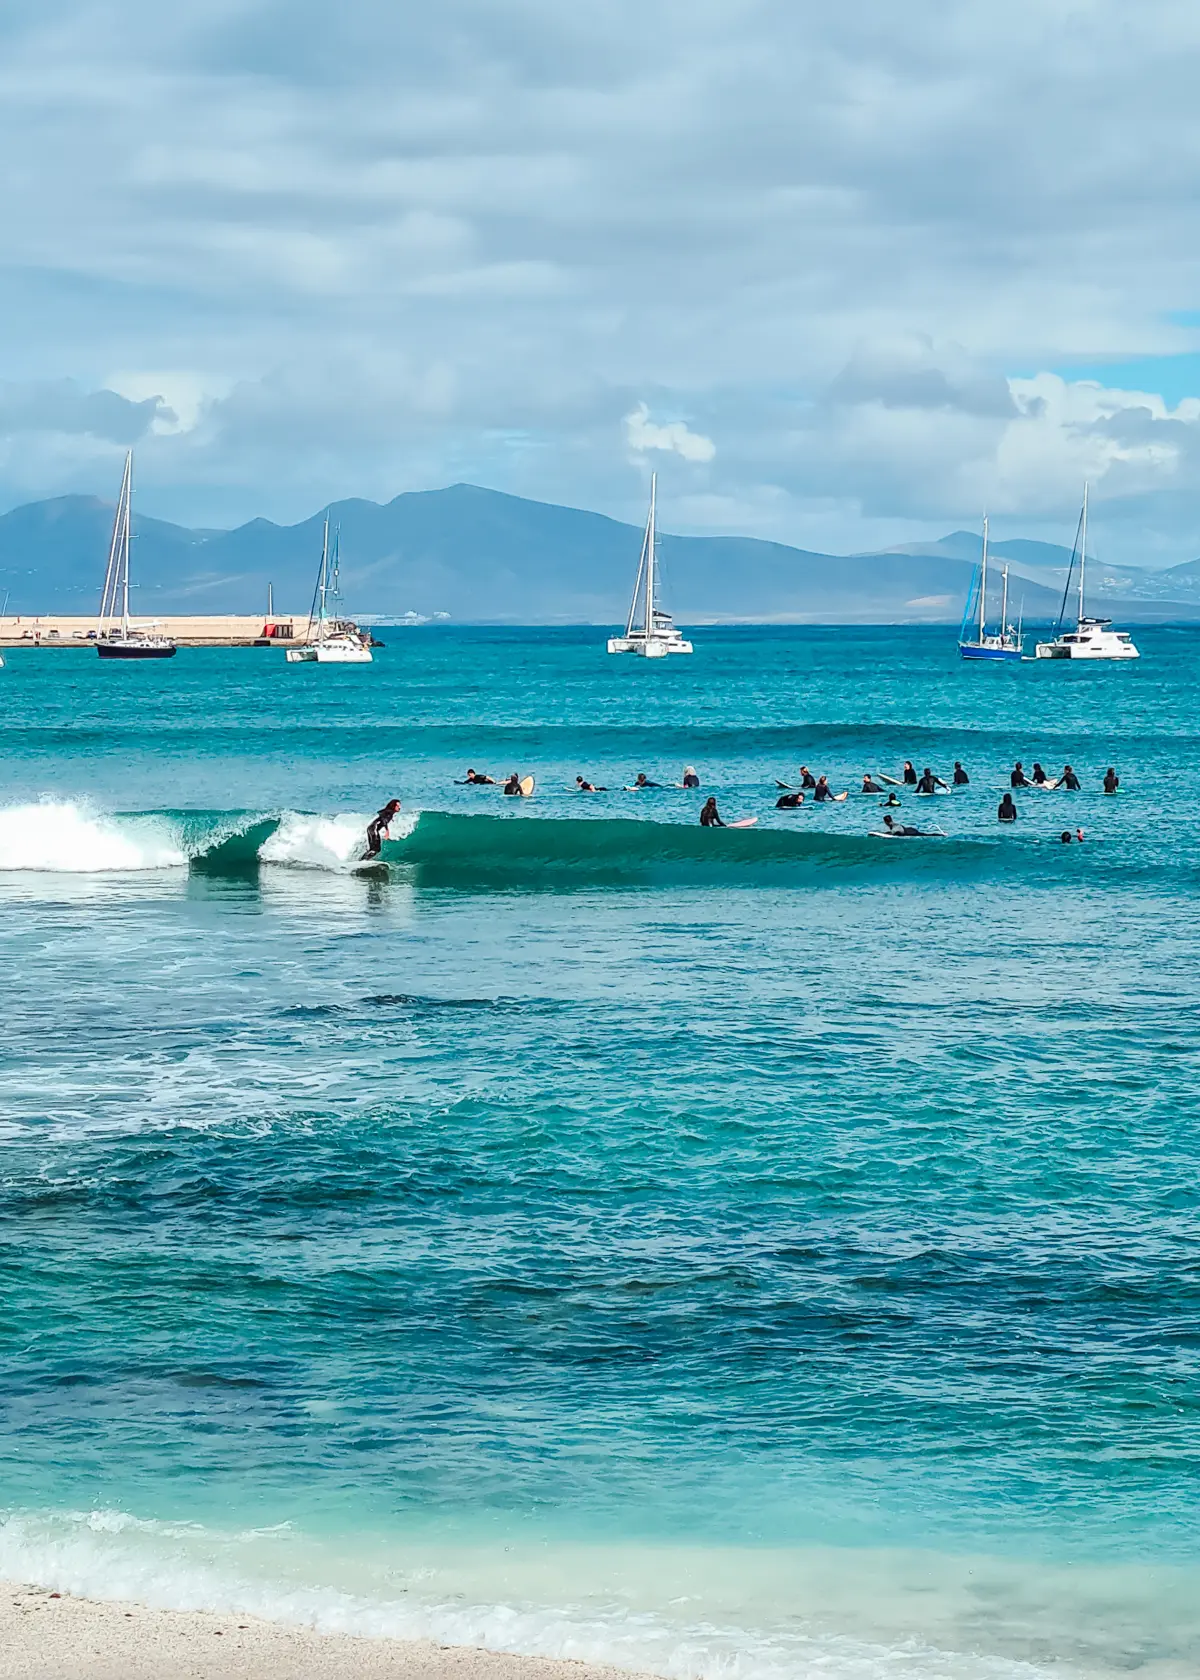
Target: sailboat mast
651, 538
125, 546
324, 585
1082, 548
1004, 604
983, 584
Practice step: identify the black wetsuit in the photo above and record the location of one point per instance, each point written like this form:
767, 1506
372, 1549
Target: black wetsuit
823, 792
691, 781
961, 779
710, 819
1018, 779
808, 780
1007, 812
789, 801
1111, 782
910, 776
1070, 781
375, 832
871, 787
928, 784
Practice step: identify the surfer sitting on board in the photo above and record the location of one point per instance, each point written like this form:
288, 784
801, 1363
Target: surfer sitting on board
870, 785
961, 778
513, 784
1040, 778
690, 778
1069, 779
1018, 777
807, 779
1111, 780
929, 783
377, 830
823, 791
909, 776
710, 817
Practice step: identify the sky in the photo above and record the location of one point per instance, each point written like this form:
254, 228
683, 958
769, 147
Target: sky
844, 275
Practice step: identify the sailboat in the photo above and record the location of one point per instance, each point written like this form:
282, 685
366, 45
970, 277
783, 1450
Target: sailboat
330, 641
116, 636
1092, 638
1003, 644
649, 630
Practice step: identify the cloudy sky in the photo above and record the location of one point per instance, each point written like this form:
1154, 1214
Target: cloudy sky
845, 274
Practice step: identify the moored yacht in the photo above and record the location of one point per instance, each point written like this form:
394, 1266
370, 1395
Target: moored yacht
117, 637
1004, 644
649, 631
330, 641
1092, 638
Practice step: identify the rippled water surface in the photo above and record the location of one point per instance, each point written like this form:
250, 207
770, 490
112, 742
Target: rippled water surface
765, 1252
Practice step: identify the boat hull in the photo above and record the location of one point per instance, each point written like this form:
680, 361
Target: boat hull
971, 650
136, 650
328, 654
1052, 650
648, 647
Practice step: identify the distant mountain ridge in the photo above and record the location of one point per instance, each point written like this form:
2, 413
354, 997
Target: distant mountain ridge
485, 556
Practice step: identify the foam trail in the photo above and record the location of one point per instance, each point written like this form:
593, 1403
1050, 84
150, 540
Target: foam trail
315, 842
61, 837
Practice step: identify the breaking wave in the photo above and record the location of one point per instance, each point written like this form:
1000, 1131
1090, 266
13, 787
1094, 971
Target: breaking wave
434, 848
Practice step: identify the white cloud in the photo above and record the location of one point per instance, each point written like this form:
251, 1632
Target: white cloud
642, 434
394, 246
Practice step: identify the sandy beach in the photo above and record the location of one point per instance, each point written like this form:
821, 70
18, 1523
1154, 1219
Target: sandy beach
46, 1634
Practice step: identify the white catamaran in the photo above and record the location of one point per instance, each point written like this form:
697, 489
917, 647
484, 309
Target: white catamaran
1092, 638
116, 636
330, 641
649, 630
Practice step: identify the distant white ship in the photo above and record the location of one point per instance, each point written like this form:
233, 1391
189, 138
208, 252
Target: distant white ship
649, 631
1092, 638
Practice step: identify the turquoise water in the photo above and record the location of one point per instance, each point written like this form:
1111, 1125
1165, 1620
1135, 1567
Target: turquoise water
733, 1253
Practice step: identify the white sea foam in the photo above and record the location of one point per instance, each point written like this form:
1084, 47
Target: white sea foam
63, 837
308, 842
741, 1614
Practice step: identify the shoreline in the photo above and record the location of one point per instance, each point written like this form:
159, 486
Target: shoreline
48, 1635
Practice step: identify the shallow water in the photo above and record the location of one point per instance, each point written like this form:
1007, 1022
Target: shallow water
766, 1252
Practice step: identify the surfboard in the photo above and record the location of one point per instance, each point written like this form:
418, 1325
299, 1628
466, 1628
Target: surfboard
743, 822
526, 786
893, 834
892, 781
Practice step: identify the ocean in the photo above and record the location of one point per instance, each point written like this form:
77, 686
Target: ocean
729, 1253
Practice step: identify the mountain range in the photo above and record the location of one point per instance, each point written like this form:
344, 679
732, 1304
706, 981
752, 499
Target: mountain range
482, 556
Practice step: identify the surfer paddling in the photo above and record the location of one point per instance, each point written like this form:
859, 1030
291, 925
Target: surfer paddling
377, 830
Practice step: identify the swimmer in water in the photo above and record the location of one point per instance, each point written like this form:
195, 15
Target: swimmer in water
890, 800
710, 817
961, 779
1069, 779
929, 783
1007, 811
1066, 837
1111, 780
870, 786
377, 830
690, 778
909, 775
1018, 777
789, 801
